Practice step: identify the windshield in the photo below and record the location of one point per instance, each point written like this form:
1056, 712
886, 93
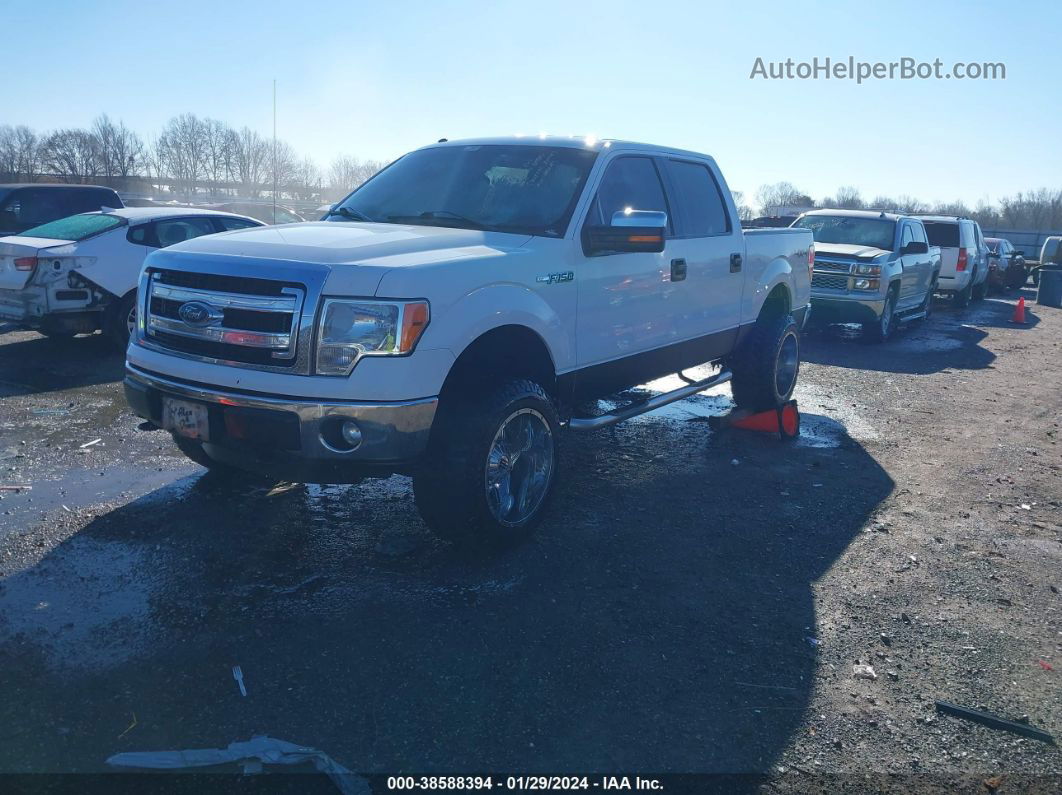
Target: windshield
874, 232
75, 227
500, 188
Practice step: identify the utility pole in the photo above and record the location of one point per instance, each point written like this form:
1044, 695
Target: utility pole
274, 150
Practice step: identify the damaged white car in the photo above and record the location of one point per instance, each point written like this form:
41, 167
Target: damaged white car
79, 274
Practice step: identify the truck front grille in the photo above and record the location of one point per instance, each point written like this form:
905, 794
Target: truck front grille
828, 281
232, 318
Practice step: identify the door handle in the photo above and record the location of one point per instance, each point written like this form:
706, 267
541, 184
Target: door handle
735, 263
678, 270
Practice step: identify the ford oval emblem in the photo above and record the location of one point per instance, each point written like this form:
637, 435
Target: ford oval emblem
197, 313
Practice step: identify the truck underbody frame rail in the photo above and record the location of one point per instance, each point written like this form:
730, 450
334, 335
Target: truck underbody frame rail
655, 402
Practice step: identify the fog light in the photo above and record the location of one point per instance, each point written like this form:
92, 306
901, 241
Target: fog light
351, 433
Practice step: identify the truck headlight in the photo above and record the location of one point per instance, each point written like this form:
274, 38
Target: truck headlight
350, 329
868, 270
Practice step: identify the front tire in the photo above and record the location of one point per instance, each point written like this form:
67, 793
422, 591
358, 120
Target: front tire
490, 466
766, 367
882, 330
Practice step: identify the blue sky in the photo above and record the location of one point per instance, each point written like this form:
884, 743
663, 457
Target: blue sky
377, 79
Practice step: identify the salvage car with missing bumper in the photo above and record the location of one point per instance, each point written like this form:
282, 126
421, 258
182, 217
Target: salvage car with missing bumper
453, 311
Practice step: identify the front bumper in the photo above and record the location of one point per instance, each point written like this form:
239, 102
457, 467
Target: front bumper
857, 309
287, 438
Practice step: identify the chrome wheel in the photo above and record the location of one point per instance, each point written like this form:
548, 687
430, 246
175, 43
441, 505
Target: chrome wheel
519, 467
130, 320
787, 365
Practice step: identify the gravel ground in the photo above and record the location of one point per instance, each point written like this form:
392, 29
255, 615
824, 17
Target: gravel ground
694, 601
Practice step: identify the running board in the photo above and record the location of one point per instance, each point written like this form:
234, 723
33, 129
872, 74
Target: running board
659, 401
913, 316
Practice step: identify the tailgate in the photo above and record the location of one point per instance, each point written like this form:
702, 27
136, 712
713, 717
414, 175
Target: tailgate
13, 248
948, 258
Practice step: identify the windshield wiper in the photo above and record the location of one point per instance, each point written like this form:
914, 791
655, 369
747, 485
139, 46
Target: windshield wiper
438, 215
346, 212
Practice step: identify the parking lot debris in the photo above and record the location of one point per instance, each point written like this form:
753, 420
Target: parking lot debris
237, 674
250, 755
812, 641
1045, 665
17, 487
89, 444
994, 721
864, 672
50, 412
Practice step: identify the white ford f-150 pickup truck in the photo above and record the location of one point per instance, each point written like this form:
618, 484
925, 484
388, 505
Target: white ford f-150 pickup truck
445, 319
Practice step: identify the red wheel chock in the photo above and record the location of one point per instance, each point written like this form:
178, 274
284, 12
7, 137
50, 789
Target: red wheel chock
784, 420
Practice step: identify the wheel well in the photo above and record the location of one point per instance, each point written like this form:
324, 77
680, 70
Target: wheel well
777, 302
508, 351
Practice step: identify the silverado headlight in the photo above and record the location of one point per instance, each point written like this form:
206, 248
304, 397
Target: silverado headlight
868, 270
350, 329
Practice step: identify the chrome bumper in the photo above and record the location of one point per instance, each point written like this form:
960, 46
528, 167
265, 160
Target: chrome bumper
392, 433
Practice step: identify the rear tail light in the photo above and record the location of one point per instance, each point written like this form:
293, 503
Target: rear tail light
25, 263
960, 263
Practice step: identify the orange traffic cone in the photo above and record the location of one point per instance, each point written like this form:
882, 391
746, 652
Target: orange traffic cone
784, 420
1019, 312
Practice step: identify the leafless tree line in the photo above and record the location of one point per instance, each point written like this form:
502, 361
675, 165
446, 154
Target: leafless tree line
189, 157
1038, 210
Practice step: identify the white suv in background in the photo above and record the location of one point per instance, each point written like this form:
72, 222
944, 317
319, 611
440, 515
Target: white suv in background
963, 256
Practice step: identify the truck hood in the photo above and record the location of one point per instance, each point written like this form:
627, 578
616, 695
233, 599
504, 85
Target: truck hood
351, 243
848, 250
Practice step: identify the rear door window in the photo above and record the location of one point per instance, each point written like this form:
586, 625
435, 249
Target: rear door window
229, 224
697, 200
177, 230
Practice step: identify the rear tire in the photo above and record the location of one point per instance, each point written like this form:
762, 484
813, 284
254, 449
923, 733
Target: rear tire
962, 297
120, 320
766, 366
490, 466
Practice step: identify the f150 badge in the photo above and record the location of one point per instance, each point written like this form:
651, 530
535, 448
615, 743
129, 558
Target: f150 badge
557, 278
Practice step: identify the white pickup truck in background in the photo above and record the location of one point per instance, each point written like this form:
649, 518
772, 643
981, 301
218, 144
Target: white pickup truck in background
447, 316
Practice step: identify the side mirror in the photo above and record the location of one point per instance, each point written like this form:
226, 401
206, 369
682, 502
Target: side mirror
630, 231
915, 247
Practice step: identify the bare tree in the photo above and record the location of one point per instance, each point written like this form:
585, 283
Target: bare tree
217, 151
347, 173
847, 198
283, 157
250, 156
120, 149
780, 196
73, 154
185, 147
20, 152
307, 183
